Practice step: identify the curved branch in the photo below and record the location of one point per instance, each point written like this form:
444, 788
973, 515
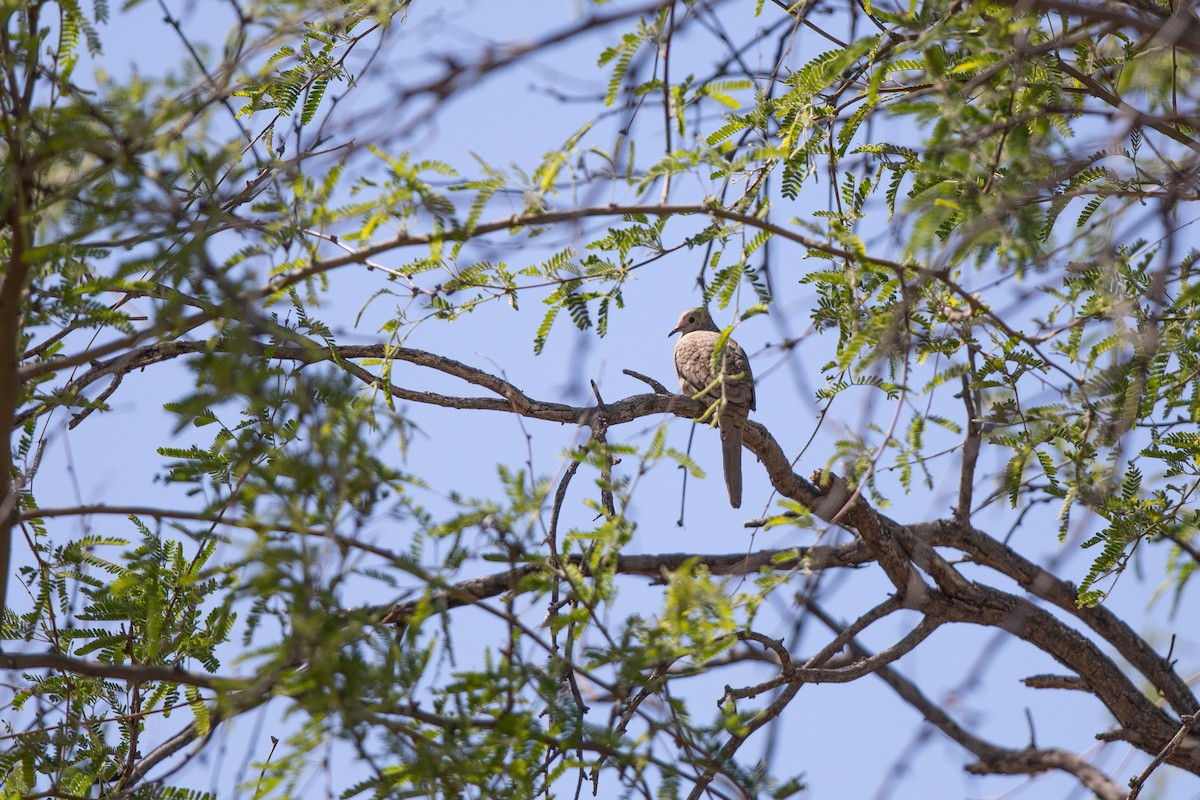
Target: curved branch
865, 665
1037, 581
1142, 722
992, 758
757, 438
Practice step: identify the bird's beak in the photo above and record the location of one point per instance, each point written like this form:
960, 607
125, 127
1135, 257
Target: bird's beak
674, 331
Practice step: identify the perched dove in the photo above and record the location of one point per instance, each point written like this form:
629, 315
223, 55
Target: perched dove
733, 382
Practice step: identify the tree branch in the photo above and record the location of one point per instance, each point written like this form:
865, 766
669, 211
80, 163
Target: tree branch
1145, 725
1181, 29
1187, 723
970, 452
987, 551
653, 566
132, 673
861, 666
1135, 116
992, 759
900, 549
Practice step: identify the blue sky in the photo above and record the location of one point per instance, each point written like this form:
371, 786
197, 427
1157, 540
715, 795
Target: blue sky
843, 737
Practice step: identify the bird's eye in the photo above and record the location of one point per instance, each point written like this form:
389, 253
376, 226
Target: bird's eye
691, 319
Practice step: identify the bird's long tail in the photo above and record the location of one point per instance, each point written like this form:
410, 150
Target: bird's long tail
731, 457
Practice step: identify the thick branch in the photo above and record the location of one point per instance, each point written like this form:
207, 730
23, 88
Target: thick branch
1146, 725
989, 552
992, 759
841, 504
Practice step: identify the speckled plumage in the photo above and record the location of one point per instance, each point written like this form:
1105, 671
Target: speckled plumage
693, 365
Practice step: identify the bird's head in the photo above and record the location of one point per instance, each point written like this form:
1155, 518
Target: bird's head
694, 319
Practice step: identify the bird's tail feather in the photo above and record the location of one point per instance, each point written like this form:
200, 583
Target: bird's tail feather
731, 457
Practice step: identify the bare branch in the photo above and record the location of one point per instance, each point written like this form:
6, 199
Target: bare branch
859, 667
1187, 723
